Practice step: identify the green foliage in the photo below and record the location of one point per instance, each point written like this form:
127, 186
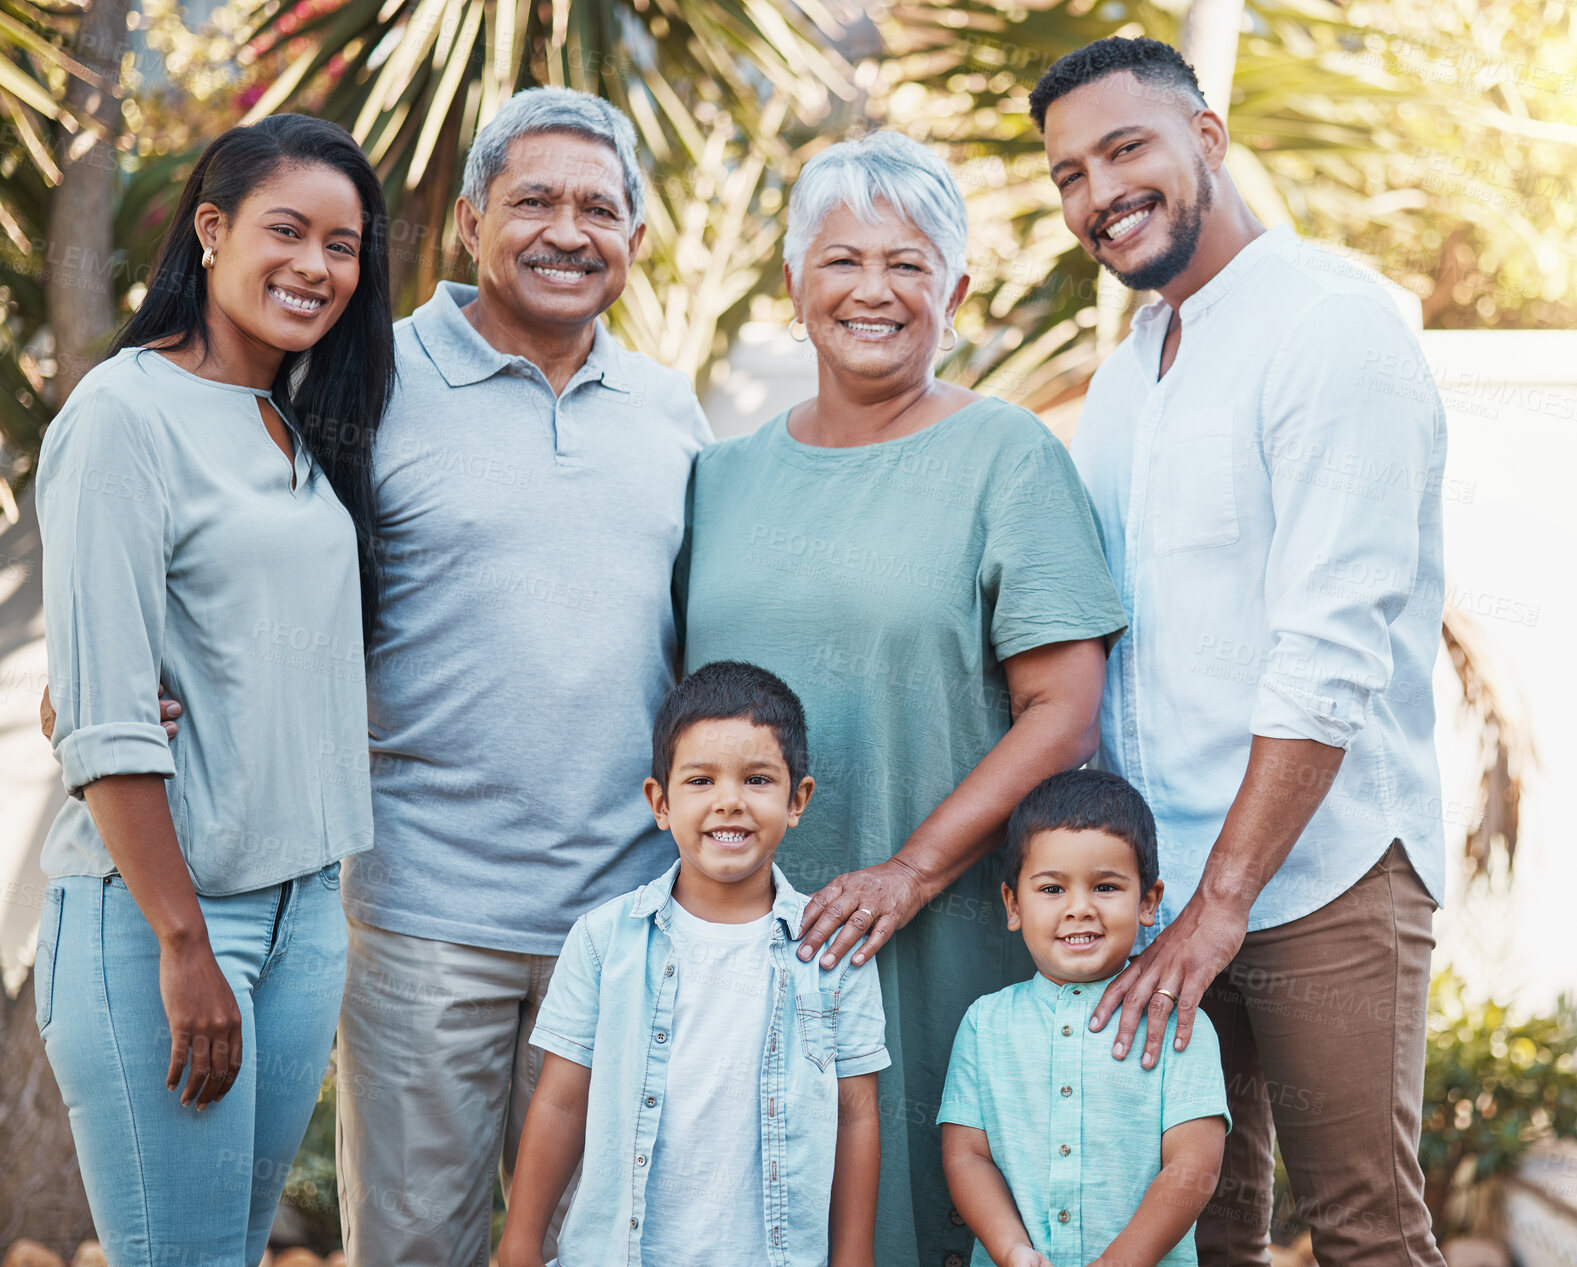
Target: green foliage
1493, 1086
310, 1187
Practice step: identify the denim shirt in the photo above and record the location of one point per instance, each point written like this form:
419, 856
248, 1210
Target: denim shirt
610, 1007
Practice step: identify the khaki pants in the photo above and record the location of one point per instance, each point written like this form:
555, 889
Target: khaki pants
435, 1074
1321, 1024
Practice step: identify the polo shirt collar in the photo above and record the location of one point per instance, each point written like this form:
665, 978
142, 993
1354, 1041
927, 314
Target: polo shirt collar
654, 899
464, 357
1089, 992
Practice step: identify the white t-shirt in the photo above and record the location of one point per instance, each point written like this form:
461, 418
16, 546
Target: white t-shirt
703, 1197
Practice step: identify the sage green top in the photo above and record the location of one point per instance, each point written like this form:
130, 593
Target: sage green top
886, 585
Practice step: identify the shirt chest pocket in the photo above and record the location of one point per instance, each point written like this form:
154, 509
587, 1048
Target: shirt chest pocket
817, 1014
1193, 494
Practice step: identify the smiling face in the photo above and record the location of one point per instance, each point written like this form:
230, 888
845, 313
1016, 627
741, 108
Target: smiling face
286, 265
728, 803
1079, 903
874, 297
1135, 166
554, 246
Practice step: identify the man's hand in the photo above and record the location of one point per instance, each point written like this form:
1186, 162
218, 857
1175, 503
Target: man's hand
169, 710
1026, 1256
1284, 784
1187, 955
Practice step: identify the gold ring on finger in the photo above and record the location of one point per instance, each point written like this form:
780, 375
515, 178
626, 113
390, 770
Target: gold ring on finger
1168, 993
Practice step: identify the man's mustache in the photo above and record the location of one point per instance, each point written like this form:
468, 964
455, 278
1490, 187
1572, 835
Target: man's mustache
588, 262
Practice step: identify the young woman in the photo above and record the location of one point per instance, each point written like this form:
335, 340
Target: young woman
205, 504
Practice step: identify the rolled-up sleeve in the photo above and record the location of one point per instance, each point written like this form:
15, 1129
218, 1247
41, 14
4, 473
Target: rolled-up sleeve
105, 519
862, 1024
567, 1020
1351, 420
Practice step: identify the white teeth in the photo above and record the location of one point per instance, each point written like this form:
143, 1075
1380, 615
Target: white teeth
295, 302
730, 837
873, 327
1123, 225
565, 273
1080, 939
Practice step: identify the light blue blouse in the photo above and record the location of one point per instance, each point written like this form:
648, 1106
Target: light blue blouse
177, 550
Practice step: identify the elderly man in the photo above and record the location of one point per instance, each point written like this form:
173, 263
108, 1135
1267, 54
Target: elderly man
1268, 483
530, 476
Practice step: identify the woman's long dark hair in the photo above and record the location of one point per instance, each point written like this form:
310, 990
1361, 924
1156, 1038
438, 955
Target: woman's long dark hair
342, 383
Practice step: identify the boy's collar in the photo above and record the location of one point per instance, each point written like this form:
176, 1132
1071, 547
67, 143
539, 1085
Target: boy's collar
788, 904
1088, 991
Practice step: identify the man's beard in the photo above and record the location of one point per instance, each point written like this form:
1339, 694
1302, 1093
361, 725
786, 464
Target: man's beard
1180, 247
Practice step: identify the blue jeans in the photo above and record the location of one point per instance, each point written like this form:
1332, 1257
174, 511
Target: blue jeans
167, 1185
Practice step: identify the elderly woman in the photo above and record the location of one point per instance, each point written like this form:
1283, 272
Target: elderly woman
920, 564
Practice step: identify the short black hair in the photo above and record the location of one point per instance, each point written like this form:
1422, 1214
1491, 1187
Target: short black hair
726, 689
1150, 61
1084, 800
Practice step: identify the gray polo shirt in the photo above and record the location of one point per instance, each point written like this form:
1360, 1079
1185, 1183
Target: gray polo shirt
176, 550
527, 635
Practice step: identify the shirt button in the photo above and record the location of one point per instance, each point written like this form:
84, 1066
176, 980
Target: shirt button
662, 1037
651, 1101
1063, 1216
640, 1161
668, 971
1067, 1091
635, 1223
1078, 991
953, 1260
955, 1218
1065, 1150
1067, 1030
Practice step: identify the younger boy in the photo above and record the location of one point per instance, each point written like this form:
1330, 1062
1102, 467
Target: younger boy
1056, 1153
723, 1092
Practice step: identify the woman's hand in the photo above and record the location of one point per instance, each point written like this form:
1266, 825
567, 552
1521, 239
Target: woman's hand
1026, 1256
874, 903
205, 1021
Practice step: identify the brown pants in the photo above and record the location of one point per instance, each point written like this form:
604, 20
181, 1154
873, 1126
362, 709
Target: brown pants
1321, 1023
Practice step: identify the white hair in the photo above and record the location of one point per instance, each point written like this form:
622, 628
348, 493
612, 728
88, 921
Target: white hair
911, 179
535, 110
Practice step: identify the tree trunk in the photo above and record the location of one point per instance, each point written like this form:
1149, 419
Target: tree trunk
41, 1194
1210, 46
79, 288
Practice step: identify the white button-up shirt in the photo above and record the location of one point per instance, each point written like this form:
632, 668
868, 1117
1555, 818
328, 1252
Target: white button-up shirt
1271, 515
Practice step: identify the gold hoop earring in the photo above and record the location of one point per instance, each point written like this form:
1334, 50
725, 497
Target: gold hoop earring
208, 257
948, 347
804, 331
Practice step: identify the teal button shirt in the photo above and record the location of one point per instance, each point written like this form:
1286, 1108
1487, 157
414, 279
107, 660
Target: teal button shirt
1076, 1133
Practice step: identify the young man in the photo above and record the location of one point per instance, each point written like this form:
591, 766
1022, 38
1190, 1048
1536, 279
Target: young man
1055, 1152
721, 1089
531, 477
1265, 462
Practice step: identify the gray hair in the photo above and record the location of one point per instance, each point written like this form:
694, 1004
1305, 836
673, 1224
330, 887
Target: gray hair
535, 110
912, 180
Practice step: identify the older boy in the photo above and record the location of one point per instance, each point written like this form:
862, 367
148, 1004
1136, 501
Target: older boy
1055, 1152
723, 1092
